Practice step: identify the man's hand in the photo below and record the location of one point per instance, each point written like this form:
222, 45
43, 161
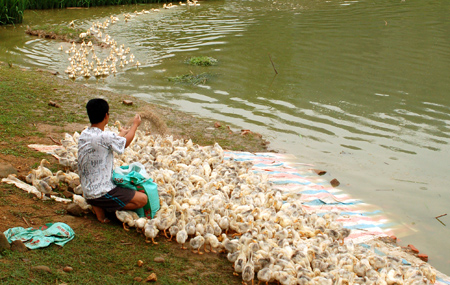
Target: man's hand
123, 132
129, 134
137, 120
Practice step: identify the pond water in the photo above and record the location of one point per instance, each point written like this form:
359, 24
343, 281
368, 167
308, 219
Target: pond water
362, 89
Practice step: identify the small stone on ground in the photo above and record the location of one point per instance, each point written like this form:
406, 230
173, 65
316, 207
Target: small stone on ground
319, 172
4, 244
18, 245
41, 268
7, 169
74, 210
159, 259
67, 194
335, 182
54, 104
151, 278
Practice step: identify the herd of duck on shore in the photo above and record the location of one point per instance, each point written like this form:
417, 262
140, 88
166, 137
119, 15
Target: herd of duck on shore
210, 201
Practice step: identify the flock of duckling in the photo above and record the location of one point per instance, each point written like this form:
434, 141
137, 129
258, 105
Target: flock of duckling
45, 181
79, 63
119, 55
208, 201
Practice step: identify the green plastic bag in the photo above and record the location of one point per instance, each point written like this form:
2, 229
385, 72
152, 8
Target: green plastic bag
134, 177
58, 233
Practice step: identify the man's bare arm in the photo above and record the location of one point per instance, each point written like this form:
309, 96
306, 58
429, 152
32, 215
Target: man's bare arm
129, 133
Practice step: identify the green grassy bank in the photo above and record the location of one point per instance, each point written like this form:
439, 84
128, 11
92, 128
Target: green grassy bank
99, 254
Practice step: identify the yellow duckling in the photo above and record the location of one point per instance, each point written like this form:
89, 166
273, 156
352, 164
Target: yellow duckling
248, 273
182, 234
265, 275
42, 171
212, 241
52, 181
229, 245
140, 224
72, 179
428, 272
126, 218
151, 230
41, 186
196, 243
241, 260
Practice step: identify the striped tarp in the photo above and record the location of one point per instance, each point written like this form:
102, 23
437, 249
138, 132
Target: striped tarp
366, 221
318, 195
288, 175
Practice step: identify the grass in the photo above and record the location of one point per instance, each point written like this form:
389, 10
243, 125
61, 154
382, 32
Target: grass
11, 11
21, 214
190, 78
61, 32
36, 207
201, 61
25, 100
106, 254
57, 29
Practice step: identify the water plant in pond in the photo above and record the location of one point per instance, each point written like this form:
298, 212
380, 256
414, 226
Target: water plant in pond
201, 61
191, 78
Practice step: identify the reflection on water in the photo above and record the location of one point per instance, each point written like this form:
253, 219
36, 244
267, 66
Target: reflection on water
361, 90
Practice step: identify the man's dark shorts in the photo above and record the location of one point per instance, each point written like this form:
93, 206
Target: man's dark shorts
114, 200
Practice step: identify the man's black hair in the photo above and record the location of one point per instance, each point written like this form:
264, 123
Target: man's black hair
97, 110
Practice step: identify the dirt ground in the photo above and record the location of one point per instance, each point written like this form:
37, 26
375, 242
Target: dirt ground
18, 209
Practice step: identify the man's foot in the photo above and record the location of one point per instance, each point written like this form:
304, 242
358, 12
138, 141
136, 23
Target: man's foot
100, 213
